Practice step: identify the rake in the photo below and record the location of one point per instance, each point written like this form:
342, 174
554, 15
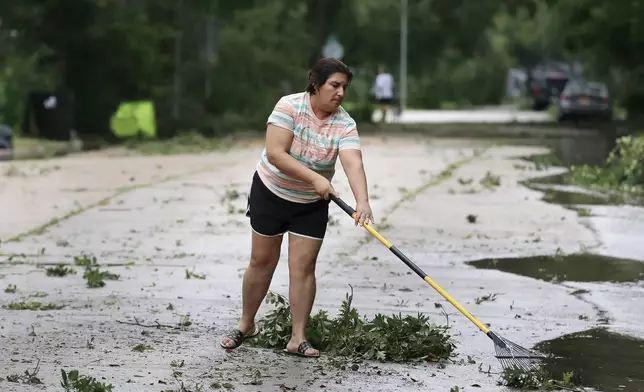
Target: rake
511, 355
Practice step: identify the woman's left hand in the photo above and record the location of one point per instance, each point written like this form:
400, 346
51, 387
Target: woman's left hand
363, 213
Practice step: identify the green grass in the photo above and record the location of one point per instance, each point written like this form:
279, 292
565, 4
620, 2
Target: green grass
183, 143
29, 142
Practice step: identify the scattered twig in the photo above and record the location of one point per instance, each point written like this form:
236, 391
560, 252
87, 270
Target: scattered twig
206, 373
33, 374
28, 377
443, 312
488, 371
155, 325
94, 361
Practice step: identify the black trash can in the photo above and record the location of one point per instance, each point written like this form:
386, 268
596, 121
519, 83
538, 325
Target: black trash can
6, 137
53, 115
6, 142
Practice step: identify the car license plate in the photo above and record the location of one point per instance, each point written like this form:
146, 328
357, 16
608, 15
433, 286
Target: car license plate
584, 101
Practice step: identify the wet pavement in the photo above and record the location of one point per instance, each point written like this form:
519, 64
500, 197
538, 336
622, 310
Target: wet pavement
584, 267
602, 359
558, 189
154, 218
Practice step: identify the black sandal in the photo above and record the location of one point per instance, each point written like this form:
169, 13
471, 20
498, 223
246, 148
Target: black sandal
238, 337
301, 350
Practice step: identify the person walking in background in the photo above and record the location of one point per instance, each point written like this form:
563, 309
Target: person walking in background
383, 89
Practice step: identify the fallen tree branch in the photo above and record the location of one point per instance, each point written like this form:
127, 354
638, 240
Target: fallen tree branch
28, 377
155, 325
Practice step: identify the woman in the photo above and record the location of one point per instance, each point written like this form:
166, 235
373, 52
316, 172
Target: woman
306, 133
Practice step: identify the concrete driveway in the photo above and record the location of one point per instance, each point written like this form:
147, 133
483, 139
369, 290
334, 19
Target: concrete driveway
153, 218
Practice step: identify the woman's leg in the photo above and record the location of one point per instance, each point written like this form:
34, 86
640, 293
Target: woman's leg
303, 252
265, 254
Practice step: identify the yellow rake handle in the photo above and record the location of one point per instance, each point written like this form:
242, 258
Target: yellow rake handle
351, 212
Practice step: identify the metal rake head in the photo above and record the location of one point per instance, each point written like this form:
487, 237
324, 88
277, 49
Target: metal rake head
513, 356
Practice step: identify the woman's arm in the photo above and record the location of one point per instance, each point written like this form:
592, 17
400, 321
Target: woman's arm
278, 144
279, 137
351, 160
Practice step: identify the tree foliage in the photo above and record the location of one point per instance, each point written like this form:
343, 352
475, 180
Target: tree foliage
459, 52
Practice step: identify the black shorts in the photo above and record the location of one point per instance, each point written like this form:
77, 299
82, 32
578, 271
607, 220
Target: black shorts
271, 215
385, 101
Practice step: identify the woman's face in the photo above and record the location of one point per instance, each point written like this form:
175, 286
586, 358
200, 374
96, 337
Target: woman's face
331, 93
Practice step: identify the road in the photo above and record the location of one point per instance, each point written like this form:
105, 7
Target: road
153, 218
494, 115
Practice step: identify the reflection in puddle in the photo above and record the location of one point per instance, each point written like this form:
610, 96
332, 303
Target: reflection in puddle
591, 148
555, 179
574, 267
556, 196
603, 360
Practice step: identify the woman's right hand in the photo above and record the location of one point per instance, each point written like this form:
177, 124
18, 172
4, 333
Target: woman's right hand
323, 187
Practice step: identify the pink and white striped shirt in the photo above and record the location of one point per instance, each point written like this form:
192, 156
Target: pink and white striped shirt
316, 144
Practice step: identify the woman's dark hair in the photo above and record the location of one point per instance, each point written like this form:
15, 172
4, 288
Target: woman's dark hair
322, 69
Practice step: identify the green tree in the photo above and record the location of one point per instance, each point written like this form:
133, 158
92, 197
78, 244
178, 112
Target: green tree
610, 37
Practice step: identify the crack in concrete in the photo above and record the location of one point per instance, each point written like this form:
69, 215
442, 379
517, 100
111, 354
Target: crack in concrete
444, 175
587, 224
603, 315
121, 191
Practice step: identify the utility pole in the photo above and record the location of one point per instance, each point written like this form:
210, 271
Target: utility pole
403, 55
176, 85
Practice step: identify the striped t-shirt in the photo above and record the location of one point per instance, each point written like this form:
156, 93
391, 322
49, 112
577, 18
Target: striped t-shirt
316, 144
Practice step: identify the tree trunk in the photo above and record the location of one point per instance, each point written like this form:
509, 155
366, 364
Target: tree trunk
321, 15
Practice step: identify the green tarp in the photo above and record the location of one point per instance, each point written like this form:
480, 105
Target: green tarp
133, 118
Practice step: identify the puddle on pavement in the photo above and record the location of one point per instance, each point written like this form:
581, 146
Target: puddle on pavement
556, 196
555, 179
573, 267
603, 360
568, 151
543, 161
557, 189
590, 148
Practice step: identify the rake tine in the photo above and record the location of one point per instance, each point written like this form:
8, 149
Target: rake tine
510, 354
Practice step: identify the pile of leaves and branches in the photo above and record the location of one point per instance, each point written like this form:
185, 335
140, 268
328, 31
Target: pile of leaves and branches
538, 379
384, 338
622, 172
73, 381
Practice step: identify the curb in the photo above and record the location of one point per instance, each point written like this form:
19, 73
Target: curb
488, 131
42, 151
